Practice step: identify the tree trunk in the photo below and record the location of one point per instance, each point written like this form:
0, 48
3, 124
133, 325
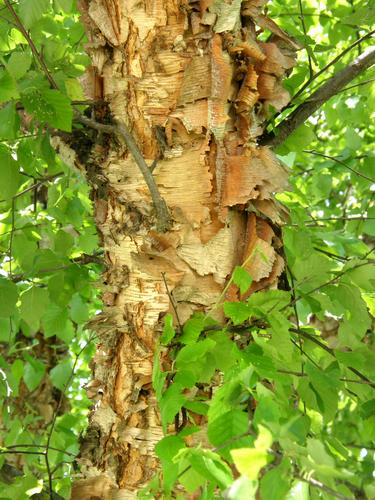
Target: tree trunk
194, 84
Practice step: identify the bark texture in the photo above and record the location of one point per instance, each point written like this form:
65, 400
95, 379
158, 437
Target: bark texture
193, 83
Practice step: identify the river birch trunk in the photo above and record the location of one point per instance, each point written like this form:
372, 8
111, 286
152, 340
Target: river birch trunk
195, 82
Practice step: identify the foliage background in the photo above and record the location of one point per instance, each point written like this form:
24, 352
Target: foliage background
303, 382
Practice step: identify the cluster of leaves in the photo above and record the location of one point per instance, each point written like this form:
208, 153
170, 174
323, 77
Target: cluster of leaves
48, 247
292, 414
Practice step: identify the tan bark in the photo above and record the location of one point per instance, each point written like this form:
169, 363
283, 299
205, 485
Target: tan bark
194, 84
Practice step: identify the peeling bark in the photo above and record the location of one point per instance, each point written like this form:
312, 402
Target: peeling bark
194, 84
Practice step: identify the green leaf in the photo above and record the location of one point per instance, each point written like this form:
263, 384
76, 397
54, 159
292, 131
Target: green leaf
8, 297
193, 352
249, 461
9, 175
242, 489
24, 250
270, 300
60, 374
19, 63
318, 453
208, 464
54, 320
61, 113
280, 340
33, 372
275, 484
8, 87
300, 138
226, 426
33, 304
63, 5
168, 330
325, 386
79, 311
363, 276
193, 328
166, 450
238, 312
158, 376
171, 403
242, 279
32, 10
9, 121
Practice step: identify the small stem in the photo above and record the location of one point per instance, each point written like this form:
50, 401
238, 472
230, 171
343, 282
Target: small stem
340, 162
120, 129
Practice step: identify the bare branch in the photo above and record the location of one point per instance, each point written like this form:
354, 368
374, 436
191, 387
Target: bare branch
121, 130
323, 487
340, 162
318, 98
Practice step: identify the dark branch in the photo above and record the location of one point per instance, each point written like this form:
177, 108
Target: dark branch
318, 98
121, 130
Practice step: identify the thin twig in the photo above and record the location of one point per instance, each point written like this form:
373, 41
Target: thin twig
357, 85
340, 162
121, 130
323, 487
330, 282
332, 353
173, 302
302, 17
342, 379
13, 446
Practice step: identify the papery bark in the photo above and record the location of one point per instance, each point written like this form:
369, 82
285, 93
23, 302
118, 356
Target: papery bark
194, 84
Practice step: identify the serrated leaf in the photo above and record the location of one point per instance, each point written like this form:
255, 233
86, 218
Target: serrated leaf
9, 121
79, 311
168, 330
249, 461
33, 373
19, 63
8, 297
171, 403
63, 5
9, 175
226, 426
242, 489
193, 352
33, 304
32, 10
158, 376
54, 320
238, 312
325, 387
61, 114
242, 279
60, 374
193, 328
274, 484
166, 450
8, 87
